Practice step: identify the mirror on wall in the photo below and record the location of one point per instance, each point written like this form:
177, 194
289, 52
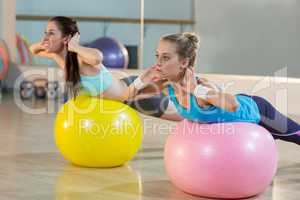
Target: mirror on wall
244, 38
112, 26
234, 40
249, 37
164, 17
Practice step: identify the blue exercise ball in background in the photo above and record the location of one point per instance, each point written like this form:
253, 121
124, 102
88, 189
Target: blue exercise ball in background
115, 55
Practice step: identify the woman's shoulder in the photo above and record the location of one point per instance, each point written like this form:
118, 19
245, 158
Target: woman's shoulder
201, 80
205, 82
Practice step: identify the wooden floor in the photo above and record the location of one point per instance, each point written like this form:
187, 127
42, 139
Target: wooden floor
31, 167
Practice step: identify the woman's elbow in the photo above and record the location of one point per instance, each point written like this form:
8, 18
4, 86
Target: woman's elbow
233, 105
99, 57
96, 61
233, 108
94, 58
32, 49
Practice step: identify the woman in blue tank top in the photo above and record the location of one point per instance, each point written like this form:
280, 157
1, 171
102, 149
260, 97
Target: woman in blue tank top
85, 72
200, 101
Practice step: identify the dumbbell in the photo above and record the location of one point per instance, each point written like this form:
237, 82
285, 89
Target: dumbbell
26, 89
52, 89
40, 88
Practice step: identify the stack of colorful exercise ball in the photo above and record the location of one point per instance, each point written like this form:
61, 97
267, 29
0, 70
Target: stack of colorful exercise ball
94, 132
24, 56
115, 55
222, 160
4, 59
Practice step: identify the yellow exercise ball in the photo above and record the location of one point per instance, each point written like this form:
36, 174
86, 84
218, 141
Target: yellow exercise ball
94, 132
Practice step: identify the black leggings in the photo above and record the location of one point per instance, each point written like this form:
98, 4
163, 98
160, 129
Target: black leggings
279, 125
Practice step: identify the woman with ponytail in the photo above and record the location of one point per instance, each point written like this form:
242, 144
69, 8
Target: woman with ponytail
201, 101
84, 71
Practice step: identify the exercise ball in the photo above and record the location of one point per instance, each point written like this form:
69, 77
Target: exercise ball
222, 160
94, 132
24, 56
4, 59
115, 55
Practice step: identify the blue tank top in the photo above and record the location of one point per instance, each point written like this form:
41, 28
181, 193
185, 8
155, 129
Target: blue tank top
246, 112
95, 85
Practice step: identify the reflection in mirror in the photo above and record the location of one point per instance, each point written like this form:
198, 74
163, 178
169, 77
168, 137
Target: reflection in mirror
112, 26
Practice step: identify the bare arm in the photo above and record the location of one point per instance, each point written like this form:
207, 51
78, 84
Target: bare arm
90, 56
153, 85
39, 50
214, 96
218, 98
150, 90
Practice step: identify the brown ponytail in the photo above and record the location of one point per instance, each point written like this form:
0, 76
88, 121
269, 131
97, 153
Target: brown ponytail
68, 26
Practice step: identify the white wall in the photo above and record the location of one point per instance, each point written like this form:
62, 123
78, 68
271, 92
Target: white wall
7, 25
128, 34
255, 37
1, 23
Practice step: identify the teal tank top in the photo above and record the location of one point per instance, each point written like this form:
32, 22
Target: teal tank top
246, 112
95, 85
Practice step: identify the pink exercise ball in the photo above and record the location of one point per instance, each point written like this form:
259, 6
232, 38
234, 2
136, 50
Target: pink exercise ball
222, 160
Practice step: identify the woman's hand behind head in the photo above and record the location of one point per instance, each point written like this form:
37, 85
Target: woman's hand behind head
74, 42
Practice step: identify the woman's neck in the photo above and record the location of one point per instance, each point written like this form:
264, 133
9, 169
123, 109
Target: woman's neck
60, 58
63, 53
178, 78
